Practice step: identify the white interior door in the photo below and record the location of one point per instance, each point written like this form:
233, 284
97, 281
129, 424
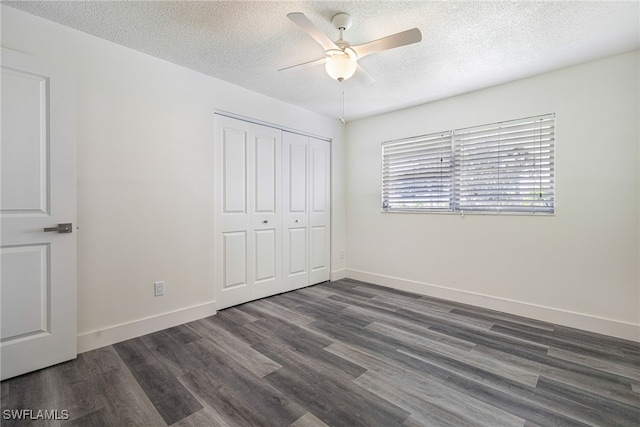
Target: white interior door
248, 235
38, 191
295, 256
319, 211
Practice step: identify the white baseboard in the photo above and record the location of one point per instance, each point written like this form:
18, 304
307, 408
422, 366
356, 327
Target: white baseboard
571, 319
338, 274
114, 334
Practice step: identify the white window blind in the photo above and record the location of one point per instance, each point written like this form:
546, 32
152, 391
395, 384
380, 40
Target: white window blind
506, 167
417, 173
501, 167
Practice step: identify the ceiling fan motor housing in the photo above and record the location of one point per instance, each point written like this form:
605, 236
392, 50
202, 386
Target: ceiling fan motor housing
342, 21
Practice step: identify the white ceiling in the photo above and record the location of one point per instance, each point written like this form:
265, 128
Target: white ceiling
467, 45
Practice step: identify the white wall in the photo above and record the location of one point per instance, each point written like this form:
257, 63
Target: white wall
145, 179
578, 268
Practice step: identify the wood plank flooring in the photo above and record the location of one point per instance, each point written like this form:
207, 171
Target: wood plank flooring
345, 353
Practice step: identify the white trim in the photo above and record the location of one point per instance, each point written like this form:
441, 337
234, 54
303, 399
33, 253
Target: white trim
338, 274
117, 333
557, 316
268, 124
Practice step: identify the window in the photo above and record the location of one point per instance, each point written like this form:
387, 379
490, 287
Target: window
501, 167
417, 173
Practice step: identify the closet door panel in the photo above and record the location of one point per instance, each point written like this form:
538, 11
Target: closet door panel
232, 239
234, 174
297, 176
297, 244
267, 214
295, 257
234, 254
319, 177
318, 248
266, 251
266, 164
319, 210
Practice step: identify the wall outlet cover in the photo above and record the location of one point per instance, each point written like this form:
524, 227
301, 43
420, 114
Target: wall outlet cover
158, 289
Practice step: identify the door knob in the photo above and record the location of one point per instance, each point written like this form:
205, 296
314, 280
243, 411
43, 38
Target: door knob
61, 228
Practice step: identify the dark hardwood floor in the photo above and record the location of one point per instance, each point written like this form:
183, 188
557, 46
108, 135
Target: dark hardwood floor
345, 353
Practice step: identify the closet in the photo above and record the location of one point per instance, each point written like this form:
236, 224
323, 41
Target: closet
271, 210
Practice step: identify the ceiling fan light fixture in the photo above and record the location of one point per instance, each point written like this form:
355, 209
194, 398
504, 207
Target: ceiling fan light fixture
340, 56
341, 64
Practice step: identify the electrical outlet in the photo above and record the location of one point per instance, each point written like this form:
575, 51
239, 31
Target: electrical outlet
341, 253
158, 289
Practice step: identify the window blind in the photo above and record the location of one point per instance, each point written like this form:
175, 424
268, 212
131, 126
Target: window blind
417, 173
506, 167
500, 167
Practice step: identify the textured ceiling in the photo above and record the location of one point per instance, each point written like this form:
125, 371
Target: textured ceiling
466, 45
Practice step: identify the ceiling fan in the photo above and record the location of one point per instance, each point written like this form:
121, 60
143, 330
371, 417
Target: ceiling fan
341, 58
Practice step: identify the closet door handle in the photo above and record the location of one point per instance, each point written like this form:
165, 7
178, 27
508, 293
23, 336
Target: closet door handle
265, 222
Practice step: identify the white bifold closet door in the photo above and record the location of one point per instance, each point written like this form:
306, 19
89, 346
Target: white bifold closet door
271, 211
307, 217
248, 221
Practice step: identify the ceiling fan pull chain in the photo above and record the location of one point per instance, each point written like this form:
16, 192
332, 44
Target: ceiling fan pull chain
342, 120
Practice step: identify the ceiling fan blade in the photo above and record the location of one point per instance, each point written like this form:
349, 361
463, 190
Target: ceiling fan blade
306, 64
303, 22
363, 77
396, 40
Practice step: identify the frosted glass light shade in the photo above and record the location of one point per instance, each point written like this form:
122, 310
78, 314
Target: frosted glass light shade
340, 65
